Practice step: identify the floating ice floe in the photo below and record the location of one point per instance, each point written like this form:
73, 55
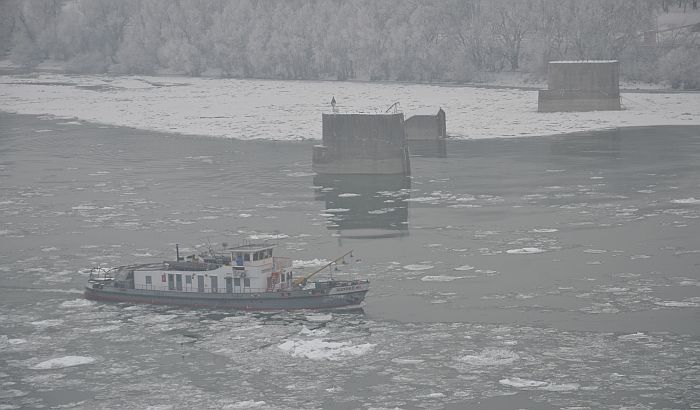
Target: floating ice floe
301, 174
84, 207
61, 362
312, 332
426, 199
11, 394
348, 195
403, 360
418, 267
6, 342
436, 395
381, 211
318, 349
691, 201
319, 317
544, 230
153, 318
47, 323
633, 336
491, 357
263, 236
246, 404
560, 387
679, 304
524, 251
520, 383
77, 303
440, 278
464, 268
105, 329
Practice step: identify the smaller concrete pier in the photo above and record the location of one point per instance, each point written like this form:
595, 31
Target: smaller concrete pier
425, 134
581, 86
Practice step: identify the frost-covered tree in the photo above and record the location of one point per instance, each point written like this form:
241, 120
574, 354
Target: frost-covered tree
411, 40
681, 67
35, 31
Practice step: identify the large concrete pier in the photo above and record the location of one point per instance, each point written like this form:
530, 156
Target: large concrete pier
581, 86
362, 144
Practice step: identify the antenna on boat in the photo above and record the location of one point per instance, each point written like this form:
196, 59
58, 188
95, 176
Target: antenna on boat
177, 252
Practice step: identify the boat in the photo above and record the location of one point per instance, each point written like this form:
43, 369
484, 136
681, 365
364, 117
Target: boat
247, 277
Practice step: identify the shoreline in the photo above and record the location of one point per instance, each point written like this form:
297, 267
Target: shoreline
500, 80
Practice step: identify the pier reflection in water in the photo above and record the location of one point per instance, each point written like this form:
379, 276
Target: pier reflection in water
365, 206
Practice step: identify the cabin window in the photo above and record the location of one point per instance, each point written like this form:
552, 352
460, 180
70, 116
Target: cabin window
246, 282
268, 253
214, 284
236, 281
246, 257
149, 281
188, 279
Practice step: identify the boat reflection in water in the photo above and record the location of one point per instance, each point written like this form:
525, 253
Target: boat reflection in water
365, 206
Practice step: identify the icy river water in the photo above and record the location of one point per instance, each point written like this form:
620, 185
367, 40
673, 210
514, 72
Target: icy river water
546, 272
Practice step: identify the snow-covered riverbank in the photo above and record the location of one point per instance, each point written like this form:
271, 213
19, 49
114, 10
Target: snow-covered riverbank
291, 110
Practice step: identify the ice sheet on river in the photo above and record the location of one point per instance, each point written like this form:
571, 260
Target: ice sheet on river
244, 109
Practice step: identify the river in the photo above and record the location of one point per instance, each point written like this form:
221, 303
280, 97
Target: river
544, 272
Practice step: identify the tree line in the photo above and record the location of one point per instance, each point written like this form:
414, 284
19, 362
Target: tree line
402, 40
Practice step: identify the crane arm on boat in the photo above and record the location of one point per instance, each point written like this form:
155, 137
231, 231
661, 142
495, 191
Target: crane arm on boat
301, 281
